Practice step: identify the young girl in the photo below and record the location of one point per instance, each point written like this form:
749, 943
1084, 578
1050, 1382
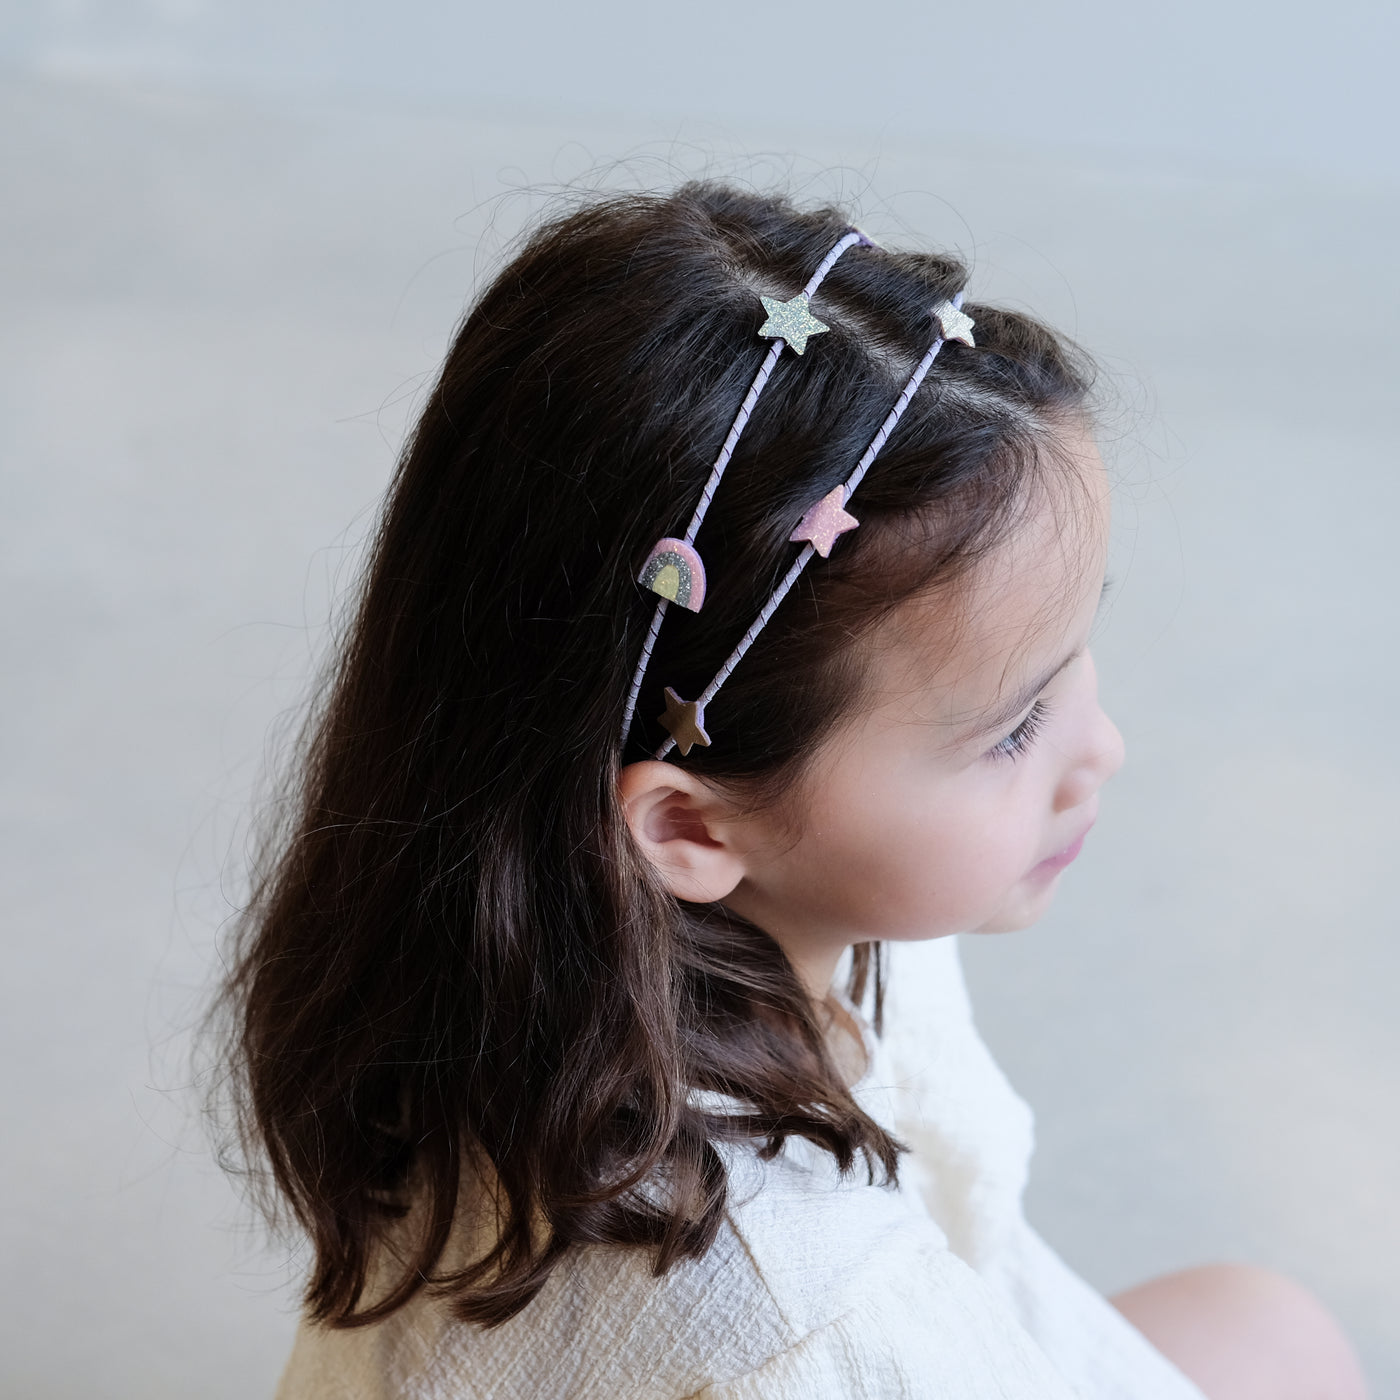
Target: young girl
728, 622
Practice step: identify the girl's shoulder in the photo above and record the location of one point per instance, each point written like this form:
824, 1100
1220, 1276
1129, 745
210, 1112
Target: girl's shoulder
800, 1250
816, 1242
813, 1275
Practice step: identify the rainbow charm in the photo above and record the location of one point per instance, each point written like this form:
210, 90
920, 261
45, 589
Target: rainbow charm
673, 569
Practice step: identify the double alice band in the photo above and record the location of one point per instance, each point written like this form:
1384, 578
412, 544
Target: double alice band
674, 570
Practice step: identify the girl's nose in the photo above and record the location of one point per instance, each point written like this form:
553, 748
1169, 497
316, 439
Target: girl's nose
1098, 756
1110, 750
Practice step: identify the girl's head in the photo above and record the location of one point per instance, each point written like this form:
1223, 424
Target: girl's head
959, 782
495, 953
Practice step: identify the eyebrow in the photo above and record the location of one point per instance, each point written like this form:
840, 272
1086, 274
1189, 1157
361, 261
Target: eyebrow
1005, 712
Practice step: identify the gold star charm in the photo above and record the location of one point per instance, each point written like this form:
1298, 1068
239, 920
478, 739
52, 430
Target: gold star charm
953, 324
684, 721
824, 522
790, 320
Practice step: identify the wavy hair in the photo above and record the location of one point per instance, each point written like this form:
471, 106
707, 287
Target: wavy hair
457, 979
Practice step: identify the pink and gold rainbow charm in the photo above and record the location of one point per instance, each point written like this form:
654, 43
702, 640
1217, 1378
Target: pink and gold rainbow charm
673, 569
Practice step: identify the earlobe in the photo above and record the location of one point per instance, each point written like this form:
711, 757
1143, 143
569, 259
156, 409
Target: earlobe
684, 828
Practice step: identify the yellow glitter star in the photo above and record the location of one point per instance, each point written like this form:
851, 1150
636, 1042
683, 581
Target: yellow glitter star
953, 324
791, 320
684, 721
824, 522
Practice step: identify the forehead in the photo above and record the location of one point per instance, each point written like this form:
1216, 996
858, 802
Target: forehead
954, 653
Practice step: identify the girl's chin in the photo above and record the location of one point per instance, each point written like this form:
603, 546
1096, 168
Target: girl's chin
1021, 913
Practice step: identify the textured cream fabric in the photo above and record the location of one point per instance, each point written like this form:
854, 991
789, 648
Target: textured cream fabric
818, 1288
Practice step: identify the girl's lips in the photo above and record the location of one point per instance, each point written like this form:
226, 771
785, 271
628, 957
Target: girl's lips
1056, 863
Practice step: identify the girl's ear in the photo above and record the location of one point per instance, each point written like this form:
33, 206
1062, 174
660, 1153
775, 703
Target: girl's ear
685, 829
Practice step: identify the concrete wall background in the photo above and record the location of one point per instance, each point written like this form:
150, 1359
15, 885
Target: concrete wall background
227, 272
1291, 87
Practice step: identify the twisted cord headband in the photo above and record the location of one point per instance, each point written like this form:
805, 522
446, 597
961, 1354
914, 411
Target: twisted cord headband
674, 570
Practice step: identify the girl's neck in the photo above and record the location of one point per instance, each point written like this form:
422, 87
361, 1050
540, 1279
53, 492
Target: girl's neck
845, 1038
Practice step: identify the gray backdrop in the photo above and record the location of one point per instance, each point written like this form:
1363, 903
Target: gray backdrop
233, 242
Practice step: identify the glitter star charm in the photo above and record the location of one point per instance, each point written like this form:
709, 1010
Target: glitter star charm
684, 721
824, 522
791, 320
953, 324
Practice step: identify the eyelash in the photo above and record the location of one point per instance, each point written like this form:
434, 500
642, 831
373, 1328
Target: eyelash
1023, 736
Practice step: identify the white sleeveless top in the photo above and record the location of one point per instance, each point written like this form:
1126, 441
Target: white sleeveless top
817, 1288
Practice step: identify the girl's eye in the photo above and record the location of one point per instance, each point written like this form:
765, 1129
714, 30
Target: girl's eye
1023, 736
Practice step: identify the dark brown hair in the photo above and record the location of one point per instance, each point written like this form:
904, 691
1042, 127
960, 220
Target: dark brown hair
457, 980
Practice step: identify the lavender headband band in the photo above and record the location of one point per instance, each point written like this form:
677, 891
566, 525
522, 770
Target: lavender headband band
674, 570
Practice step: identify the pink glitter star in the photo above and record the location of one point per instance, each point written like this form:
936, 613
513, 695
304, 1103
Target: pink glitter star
824, 522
